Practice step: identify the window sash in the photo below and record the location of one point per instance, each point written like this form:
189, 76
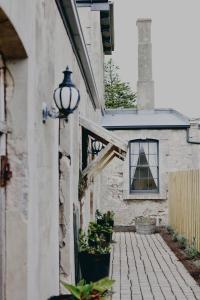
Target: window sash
139, 181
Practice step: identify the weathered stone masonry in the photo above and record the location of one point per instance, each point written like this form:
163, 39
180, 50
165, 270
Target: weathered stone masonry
174, 154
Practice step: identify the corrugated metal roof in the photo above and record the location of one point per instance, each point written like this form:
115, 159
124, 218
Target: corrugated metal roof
140, 119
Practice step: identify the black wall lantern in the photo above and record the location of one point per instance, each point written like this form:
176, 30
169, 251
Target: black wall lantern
66, 99
97, 146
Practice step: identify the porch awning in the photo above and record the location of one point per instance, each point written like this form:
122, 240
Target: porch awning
114, 146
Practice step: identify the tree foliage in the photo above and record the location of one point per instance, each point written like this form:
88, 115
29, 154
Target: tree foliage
118, 94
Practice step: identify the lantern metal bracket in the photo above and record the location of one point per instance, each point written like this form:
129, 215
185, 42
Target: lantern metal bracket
48, 112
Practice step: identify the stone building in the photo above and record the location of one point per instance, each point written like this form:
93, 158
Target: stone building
40, 161
160, 141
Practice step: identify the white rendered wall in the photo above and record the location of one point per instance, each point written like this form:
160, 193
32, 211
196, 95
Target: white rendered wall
32, 216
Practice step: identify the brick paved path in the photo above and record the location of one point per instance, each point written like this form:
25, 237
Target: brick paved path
146, 269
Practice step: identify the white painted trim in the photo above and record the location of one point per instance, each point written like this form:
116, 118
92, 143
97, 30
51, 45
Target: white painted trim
120, 144
99, 161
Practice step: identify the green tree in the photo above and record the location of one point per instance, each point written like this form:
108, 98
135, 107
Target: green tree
118, 94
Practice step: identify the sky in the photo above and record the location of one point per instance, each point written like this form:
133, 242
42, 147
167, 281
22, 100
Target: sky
175, 46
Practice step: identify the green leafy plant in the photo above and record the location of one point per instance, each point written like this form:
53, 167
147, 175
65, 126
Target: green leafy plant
99, 233
175, 236
170, 230
191, 250
93, 243
83, 241
106, 219
98, 228
98, 214
182, 241
92, 291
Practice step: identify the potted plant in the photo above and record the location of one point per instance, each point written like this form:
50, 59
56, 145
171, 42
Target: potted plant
98, 233
94, 259
105, 219
145, 225
110, 218
93, 291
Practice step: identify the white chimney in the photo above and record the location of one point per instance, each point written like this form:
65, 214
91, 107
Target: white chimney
145, 84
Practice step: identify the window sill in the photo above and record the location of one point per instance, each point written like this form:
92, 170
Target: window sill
145, 196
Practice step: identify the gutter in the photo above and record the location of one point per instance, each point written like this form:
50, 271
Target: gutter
71, 21
131, 127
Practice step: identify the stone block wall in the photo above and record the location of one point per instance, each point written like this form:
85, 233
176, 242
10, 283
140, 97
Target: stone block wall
174, 154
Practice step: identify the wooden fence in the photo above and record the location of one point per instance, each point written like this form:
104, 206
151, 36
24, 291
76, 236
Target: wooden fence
184, 204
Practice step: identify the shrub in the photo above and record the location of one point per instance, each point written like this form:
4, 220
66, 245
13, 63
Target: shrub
106, 219
191, 250
170, 230
175, 236
182, 241
93, 242
99, 232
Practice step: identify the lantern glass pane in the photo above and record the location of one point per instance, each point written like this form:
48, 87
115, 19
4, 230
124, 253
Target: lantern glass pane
98, 145
74, 98
65, 97
57, 97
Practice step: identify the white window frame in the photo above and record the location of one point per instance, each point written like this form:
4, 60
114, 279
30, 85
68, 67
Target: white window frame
140, 191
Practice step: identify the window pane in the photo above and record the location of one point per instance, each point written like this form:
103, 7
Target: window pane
135, 148
153, 172
141, 184
144, 184
144, 172
152, 160
134, 160
144, 147
133, 172
143, 159
152, 148
152, 184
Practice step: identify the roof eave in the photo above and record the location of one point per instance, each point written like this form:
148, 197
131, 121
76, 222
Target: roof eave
146, 127
108, 31
71, 21
106, 9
